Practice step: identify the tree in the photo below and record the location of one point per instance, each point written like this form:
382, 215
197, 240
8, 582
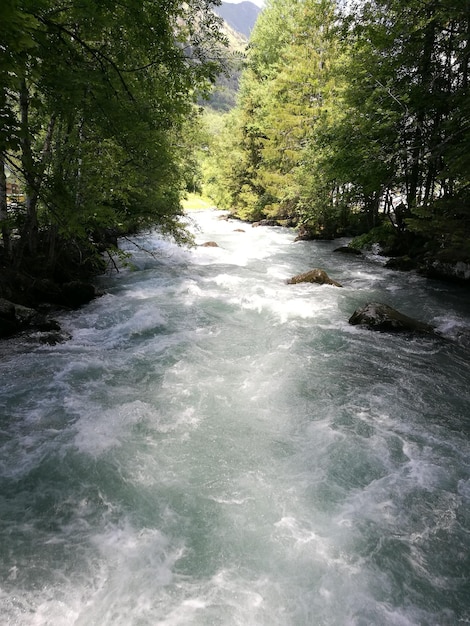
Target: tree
246, 131
95, 98
347, 119
413, 90
285, 91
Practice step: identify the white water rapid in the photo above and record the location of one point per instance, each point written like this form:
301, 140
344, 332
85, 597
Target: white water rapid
216, 447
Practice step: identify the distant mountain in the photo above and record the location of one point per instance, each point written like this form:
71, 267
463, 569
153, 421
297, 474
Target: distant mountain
240, 17
239, 20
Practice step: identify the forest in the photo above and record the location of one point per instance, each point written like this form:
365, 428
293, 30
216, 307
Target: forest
96, 103
351, 119
354, 119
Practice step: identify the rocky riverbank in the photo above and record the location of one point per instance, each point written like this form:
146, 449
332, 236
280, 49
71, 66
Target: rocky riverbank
43, 297
30, 295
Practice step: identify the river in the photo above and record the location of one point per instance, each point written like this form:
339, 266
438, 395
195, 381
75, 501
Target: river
214, 446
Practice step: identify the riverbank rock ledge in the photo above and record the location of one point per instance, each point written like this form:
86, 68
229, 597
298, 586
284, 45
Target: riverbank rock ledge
15, 318
313, 276
382, 317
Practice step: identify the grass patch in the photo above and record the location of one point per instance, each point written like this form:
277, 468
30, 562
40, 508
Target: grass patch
194, 202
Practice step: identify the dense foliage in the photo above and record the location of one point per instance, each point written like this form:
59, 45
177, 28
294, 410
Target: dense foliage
347, 119
95, 98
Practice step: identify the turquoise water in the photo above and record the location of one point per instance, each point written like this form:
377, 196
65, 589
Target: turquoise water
216, 447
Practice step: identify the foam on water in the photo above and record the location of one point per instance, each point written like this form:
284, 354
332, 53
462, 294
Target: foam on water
215, 446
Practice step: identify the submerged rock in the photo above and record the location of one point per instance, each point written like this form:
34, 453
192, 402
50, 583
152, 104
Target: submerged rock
52, 338
313, 276
382, 317
210, 244
348, 250
401, 263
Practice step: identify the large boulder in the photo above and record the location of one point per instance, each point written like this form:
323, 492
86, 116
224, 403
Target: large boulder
454, 271
304, 233
309, 233
25, 315
76, 293
15, 318
382, 317
313, 276
9, 324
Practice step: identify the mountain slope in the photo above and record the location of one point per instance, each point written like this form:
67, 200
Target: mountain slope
239, 20
240, 17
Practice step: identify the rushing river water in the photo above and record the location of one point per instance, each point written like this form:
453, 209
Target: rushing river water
216, 447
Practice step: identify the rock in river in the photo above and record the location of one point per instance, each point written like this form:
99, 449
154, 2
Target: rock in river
379, 316
313, 276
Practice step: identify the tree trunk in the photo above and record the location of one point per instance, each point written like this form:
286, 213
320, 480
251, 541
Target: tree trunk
419, 145
29, 232
465, 58
3, 210
34, 176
